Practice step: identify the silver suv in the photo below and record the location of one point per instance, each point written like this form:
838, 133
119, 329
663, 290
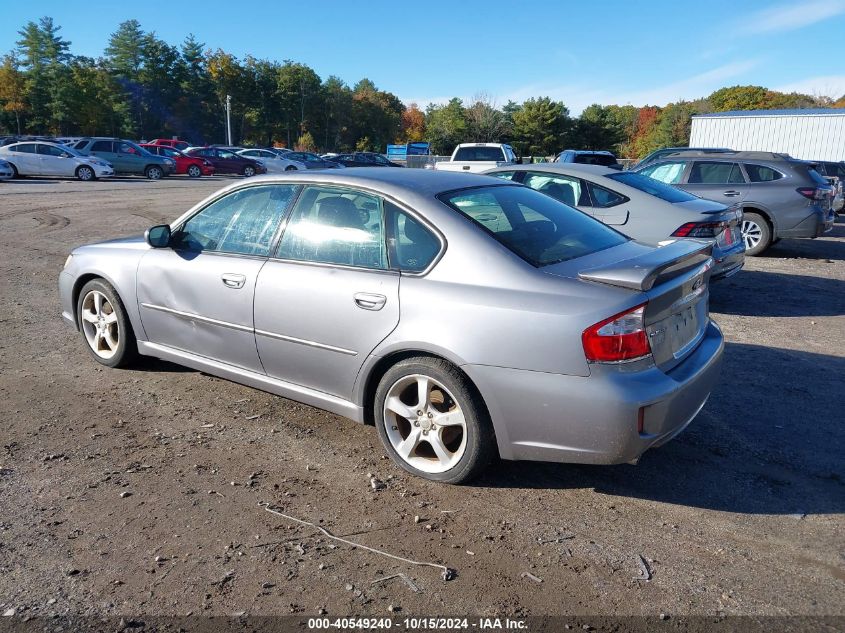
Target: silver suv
779, 196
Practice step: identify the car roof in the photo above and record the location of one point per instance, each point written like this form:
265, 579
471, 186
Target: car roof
730, 155
558, 168
396, 182
579, 152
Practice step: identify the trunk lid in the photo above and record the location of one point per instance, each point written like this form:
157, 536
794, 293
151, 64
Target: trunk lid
675, 278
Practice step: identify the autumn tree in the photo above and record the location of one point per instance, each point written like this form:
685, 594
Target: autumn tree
413, 125
12, 87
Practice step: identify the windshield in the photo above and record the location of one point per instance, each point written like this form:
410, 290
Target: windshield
652, 187
537, 228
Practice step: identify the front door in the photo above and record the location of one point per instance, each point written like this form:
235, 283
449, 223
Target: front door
328, 299
198, 294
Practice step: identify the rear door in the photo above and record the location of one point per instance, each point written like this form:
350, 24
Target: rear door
197, 295
25, 159
722, 181
106, 151
328, 297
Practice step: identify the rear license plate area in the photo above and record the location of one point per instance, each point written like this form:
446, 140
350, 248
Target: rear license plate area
683, 330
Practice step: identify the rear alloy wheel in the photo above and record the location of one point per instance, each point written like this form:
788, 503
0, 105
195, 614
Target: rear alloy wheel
194, 171
755, 233
104, 324
431, 421
249, 171
85, 173
153, 172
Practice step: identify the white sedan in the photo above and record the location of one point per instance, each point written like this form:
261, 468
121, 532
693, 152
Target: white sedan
272, 161
38, 158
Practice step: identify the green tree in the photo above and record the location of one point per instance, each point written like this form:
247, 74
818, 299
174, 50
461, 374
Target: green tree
446, 126
540, 126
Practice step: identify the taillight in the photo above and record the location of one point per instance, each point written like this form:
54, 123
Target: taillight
812, 193
700, 229
621, 337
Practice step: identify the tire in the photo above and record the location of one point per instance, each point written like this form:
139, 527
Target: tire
756, 233
86, 173
153, 172
15, 172
194, 171
466, 442
248, 171
290, 168
104, 325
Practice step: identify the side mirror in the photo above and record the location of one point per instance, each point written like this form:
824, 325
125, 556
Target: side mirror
519, 161
158, 236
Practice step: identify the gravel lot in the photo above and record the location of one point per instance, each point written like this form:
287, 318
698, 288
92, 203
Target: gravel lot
742, 514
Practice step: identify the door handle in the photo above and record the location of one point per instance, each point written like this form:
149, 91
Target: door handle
231, 280
731, 193
369, 301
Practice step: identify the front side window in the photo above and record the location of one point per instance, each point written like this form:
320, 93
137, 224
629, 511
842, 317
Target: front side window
761, 173
563, 188
51, 150
670, 173
333, 225
381, 160
713, 173
413, 246
129, 148
533, 226
242, 222
222, 153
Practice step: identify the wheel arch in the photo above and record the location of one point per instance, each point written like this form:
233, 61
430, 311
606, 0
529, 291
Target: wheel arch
767, 215
79, 284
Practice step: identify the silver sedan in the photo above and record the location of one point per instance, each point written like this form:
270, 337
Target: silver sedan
462, 315
641, 207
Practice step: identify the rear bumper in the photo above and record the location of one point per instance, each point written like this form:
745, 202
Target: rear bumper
817, 223
728, 262
593, 420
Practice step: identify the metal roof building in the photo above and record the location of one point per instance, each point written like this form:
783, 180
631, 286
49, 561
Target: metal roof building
817, 134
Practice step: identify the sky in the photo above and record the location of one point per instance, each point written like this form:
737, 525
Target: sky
609, 52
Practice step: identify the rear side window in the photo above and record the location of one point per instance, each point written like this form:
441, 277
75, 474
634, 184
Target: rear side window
532, 225
652, 187
26, 148
761, 173
604, 198
479, 153
412, 246
669, 173
713, 173
504, 175
101, 146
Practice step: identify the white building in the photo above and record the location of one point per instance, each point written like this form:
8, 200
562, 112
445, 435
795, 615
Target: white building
805, 134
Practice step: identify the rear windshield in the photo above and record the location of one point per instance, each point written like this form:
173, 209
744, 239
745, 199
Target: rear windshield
595, 159
479, 153
534, 226
652, 187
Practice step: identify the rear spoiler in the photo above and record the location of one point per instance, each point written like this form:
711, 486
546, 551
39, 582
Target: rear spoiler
643, 272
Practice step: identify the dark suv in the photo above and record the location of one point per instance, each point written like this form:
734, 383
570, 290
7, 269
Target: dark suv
588, 157
835, 173
126, 157
779, 196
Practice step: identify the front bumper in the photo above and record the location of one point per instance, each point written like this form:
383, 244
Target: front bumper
593, 420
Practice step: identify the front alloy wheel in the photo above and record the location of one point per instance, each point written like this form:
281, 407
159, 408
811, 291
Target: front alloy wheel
194, 171
104, 324
85, 173
249, 171
154, 173
432, 421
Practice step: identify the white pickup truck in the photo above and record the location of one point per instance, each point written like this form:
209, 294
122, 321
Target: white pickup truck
478, 157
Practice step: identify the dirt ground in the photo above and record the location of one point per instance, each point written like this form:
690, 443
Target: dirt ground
138, 492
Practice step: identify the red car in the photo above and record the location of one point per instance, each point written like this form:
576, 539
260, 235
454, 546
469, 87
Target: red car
171, 142
191, 165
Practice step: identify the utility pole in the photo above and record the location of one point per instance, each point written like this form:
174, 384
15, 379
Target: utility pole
228, 119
